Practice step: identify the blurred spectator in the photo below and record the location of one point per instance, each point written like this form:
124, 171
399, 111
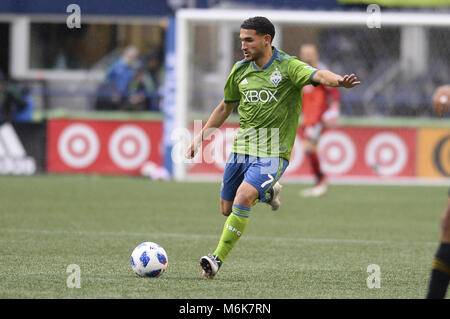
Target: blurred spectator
155, 68
25, 114
16, 104
156, 71
108, 97
121, 71
114, 89
140, 92
153, 64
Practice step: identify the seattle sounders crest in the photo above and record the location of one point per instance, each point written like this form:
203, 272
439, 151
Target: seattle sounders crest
275, 78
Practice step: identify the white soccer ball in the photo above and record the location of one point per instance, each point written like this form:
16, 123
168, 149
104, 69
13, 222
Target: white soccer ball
149, 260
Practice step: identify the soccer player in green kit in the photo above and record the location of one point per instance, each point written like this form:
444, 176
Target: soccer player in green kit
267, 85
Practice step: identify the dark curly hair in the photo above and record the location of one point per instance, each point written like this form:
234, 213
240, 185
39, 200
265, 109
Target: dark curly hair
261, 25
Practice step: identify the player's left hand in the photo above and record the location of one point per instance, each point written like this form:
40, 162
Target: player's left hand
349, 81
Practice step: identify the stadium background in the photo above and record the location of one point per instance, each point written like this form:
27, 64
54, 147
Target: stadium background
63, 69
388, 134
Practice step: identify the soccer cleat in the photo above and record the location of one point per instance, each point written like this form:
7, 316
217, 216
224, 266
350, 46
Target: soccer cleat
319, 190
210, 265
275, 203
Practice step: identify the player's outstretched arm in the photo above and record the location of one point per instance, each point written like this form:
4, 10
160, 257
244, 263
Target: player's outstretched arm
329, 78
216, 119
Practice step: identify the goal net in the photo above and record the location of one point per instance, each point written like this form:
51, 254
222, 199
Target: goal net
399, 57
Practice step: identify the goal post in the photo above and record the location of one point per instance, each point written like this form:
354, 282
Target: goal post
408, 24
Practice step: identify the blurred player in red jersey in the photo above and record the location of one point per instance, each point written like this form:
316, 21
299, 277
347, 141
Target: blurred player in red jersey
321, 108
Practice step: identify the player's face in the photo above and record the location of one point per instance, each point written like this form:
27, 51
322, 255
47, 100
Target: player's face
253, 44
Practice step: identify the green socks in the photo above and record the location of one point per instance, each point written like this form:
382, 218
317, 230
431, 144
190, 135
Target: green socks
233, 229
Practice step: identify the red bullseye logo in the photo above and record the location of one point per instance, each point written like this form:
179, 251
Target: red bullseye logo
129, 147
386, 154
337, 152
78, 145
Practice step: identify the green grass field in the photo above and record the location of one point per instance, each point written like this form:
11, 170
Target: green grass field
310, 248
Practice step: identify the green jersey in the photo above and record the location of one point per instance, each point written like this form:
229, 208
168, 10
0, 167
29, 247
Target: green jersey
270, 100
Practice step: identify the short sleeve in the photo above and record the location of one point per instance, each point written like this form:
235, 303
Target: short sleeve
231, 91
301, 73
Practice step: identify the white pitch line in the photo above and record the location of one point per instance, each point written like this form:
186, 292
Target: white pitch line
197, 236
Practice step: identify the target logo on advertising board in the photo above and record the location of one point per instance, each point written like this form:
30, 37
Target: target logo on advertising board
78, 145
346, 151
337, 152
386, 154
102, 146
129, 147
360, 152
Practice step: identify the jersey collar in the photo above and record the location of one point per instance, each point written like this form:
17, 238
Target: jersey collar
274, 55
